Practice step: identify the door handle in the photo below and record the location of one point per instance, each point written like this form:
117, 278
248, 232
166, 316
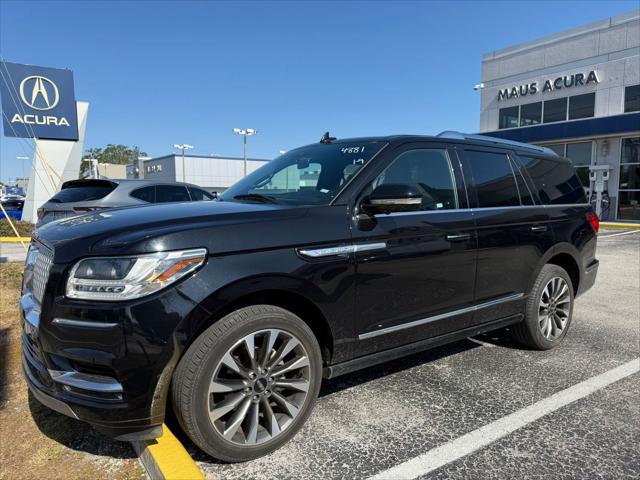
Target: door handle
459, 238
538, 228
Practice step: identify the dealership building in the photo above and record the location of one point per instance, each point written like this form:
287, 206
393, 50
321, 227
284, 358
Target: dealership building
578, 93
213, 173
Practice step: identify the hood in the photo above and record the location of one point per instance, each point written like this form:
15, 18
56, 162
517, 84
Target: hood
151, 228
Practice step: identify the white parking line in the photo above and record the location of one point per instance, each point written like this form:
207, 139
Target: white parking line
618, 234
483, 436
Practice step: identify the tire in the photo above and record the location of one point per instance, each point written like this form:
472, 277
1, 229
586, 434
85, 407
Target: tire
232, 418
542, 333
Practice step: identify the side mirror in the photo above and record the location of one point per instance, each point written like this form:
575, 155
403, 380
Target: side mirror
392, 197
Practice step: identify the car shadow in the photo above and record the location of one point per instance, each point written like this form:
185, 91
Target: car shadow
344, 382
75, 434
501, 338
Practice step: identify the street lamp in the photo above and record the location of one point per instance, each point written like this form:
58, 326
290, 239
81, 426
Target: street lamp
245, 132
183, 147
22, 162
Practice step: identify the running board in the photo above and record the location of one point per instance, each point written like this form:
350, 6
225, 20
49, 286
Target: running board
376, 358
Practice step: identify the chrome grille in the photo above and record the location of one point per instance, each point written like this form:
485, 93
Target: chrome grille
41, 270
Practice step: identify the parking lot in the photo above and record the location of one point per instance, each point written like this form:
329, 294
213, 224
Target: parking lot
371, 421
367, 422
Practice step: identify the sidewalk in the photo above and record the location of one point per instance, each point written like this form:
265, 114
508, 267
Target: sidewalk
12, 252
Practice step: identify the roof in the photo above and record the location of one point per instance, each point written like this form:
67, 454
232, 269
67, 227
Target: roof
211, 157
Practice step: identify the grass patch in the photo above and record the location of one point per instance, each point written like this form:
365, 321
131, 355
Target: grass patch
25, 229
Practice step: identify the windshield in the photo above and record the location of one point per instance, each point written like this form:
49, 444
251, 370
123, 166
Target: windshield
311, 175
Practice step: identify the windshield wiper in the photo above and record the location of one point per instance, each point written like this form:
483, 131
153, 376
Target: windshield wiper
256, 197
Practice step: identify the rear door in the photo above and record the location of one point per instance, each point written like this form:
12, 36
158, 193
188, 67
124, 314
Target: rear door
418, 282
513, 231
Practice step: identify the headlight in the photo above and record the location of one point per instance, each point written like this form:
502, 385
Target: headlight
123, 278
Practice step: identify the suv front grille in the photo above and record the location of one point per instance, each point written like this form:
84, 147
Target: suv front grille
41, 269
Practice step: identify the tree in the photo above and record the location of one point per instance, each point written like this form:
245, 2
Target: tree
118, 154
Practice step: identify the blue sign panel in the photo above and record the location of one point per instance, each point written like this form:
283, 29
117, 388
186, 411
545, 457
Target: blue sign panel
38, 102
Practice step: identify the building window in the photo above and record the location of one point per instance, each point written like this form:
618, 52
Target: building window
580, 156
582, 106
555, 110
632, 99
508, 117
629, 187
530, 114
558, 148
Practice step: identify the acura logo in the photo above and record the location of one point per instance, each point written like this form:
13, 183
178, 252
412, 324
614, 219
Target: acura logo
39, 93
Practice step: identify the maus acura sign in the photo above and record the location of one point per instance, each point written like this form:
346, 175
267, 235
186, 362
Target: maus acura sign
566, 81
38, 102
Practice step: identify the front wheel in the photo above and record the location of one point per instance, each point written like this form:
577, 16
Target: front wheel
549, 310
248, 383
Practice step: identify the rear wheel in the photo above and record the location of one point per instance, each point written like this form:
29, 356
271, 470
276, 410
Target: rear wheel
549, 310
248, 383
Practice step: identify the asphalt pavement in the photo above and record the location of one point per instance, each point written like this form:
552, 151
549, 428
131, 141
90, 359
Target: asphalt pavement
371, 421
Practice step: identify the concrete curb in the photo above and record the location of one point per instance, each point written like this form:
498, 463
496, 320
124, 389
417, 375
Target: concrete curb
166, 459
15, 239
620, 225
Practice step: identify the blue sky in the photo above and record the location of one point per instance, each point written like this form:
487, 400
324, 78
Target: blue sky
164, 72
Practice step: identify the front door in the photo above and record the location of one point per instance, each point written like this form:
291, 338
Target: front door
419, 279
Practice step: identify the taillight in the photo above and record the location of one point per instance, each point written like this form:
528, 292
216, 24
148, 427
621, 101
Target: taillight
594, 221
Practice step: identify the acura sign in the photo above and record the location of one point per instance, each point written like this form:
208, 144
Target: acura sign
38, 102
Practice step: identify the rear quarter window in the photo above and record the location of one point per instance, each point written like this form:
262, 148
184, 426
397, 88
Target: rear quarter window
146, 194
555, 180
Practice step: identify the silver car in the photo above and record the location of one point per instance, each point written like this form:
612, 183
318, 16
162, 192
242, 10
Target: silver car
77, 197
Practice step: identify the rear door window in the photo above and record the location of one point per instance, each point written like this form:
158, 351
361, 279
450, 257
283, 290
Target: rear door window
146, 194
81, 194
199, 195
494, 179
171, 193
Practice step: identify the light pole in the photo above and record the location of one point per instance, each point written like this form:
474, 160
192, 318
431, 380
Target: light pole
22, 159
183, 147
245, 132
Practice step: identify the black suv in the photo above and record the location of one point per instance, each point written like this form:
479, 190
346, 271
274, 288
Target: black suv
333, 257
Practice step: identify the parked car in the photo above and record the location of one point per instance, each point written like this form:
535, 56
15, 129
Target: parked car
13, 205
331, 258
77, 197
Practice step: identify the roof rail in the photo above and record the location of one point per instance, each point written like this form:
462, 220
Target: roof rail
486, 138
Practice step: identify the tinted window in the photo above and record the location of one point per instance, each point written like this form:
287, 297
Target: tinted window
531, 114
629, 205
493, 178
508, 117
146, 194
526, 196
171, 193
555, 180
81, 194
580, 156
555, 110
582, 106
199, 195
430, 171
632, 99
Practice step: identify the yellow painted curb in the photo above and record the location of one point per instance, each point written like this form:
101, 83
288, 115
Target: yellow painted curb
15, 239
619, 225
166, 459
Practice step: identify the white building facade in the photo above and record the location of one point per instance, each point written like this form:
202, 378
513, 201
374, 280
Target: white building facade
577, 92
213, 173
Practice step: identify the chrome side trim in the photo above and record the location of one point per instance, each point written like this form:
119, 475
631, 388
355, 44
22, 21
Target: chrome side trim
481, 209
67, 322
86, 381
341, 250
415, 323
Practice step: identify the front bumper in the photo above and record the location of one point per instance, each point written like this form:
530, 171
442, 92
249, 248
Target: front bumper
106, 364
